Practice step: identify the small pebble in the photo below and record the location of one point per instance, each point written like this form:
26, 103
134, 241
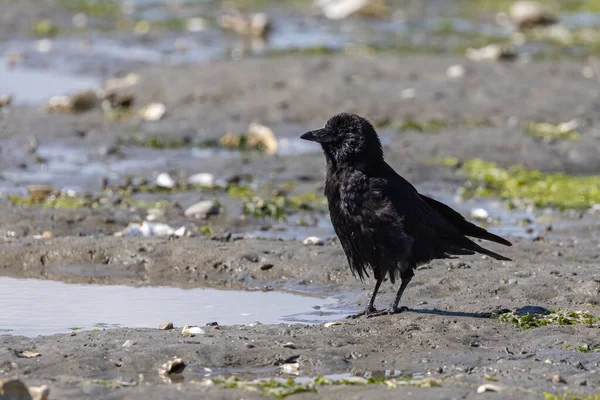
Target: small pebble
191, 331
44, 45
44, 235
141, 27
165, 326
180, 232
153, 112
512, 281
493, 52
28, 354
128, 343
558, 379
587, 72
290, 368
80, 20
289, 345
527, 14
488, 387
12, 388
165, 180
195, 24
39, 392
480, 214
175, 366
202, 209
5, 100
455, 71
257, 24
202, 179
408, 93
313, 240
261, 136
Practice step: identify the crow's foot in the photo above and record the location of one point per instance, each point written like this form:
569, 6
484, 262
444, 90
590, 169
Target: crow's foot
366, 312
388, 311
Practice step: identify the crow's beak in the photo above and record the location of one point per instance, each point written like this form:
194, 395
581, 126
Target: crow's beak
318, 135
310, 136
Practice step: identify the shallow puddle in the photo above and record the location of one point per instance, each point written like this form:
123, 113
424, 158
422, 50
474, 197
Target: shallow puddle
197, 372
33, 307
38, 85
81, 169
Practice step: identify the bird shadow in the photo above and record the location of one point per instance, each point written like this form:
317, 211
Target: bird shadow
528, 309
454, 313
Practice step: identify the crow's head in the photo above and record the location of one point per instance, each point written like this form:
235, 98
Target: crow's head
347, 139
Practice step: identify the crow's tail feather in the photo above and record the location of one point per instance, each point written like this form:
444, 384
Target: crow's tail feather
483, 250
461, 224
468, 247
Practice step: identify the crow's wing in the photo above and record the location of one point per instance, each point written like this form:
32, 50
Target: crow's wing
464, 226
435, 227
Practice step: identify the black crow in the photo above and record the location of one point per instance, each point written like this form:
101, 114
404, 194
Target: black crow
381, 220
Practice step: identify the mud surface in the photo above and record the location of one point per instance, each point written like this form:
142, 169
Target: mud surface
447, 334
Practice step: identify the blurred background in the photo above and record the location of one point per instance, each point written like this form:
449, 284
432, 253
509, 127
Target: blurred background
80, 42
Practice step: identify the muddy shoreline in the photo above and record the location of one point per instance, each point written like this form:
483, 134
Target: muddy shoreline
446, 337
557, 271
442, 336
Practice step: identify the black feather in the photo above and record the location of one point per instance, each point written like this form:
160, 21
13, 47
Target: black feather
464, 226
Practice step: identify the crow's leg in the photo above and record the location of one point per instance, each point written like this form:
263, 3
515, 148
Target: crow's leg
370, 309
406, 275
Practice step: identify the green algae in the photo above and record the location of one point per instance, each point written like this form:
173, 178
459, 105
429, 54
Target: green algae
431, 125
271, 207
157, 142
517, 183
118, 114
45, 27
394, 49
558, 317
571, 396
205, 230
55, 201
66, 201
275, 205
550, 132
283, 388
310, 200
232, 142
565, 6
588, 348
92, 7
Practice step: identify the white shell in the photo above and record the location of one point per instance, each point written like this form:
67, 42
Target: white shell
313, 240
165, 180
